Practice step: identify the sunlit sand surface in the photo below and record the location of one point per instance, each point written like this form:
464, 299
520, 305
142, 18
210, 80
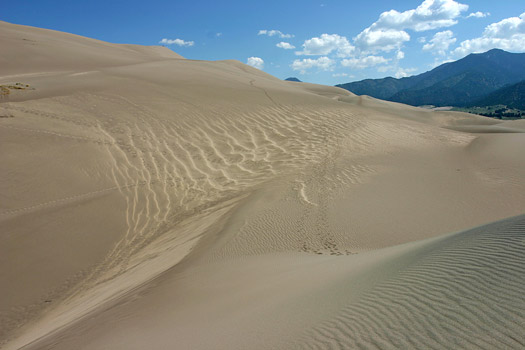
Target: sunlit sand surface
150, 202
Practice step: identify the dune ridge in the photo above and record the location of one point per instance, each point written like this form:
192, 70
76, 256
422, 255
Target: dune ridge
128, 169
464, 292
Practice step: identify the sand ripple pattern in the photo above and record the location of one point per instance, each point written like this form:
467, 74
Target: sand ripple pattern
464, 292
190, 162
171, 164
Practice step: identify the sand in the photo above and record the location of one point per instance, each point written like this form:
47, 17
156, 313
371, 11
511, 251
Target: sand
151, 201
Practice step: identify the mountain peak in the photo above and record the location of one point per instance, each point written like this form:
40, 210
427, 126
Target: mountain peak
492, 53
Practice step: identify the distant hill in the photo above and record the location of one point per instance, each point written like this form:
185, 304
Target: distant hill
293, 79
456, 83
378, 88
512, 96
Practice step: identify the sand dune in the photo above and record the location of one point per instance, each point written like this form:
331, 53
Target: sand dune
195, 204
464, 290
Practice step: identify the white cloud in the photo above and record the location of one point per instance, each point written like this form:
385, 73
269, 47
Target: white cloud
388, 32
507, 34
327, 43
404, 72
478, 14
400, 55
364, 62
218, 35
440, 42
255, 62
274, 32
178, 42
323, 63
284, 45
506, 28
431, 14
381, 39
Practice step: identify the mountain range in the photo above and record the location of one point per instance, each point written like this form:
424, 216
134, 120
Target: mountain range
458, 83
512, 96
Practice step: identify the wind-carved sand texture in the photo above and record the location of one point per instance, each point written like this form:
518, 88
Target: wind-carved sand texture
150, 201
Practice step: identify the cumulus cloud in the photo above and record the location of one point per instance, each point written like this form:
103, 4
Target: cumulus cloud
364, 62
285, 45
326, 44
400, 55
274, 32
322, 63
506, 28
507, 34
440, 42
255, 62
478, 14
431, 14
381, 39
178, 42
389, 31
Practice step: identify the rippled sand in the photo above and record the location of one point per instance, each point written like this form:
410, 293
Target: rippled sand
149, 201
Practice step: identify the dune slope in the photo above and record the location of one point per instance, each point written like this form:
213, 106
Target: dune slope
461, 291
173, 196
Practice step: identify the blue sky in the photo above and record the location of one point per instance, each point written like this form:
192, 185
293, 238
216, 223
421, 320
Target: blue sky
326, 41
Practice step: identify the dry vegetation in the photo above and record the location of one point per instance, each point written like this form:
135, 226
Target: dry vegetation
5, 89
